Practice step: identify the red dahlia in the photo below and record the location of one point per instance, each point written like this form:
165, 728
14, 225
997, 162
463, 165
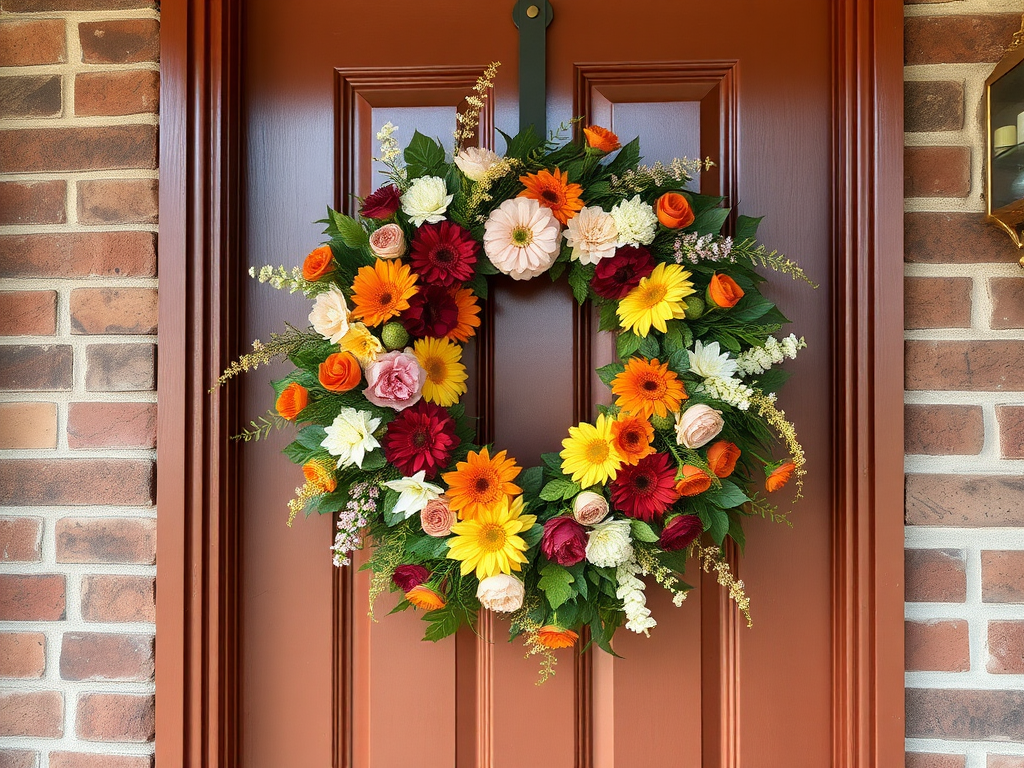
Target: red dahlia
443, 253
617, 276
432, 312
421, 437
382, 203
646, 489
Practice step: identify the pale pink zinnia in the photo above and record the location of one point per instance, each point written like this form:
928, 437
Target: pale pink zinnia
591, 234
521, 238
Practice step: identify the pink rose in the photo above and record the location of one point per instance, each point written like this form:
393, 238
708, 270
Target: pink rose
437, 517
590, 508
388, 242
395, 381
698, 425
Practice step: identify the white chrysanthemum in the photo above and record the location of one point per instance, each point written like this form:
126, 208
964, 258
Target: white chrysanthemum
350, 437
710, 361
634, 602
635, 221
329, 317
592, 235
609, 544
757, 360
731, 391
475, 162
521, 238
413, 493
426, 200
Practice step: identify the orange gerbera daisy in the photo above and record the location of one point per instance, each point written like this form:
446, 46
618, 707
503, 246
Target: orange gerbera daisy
480, 482
553, 190
424, 597
382, 291
554, 637
648, 387
320, 474
632, 437
469, 312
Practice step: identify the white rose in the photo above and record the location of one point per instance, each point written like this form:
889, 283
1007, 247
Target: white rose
329, 317
636, 222
592, 235
350, 437
388, 242
501, 593
609, 544
698, 425
475, 162
426, 200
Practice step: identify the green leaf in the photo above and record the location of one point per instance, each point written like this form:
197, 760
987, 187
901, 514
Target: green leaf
736, 531
373, 460
424, 155
532, 535
750, 308
350, 231
530, 481
709, 222
553, 462
311, 437
628, 157
485, 267
649, 347
746, 227
608, 316
520, 145
426, 547
719, 526
559, 489
627, 343
297, 453
607, 373
772, 380
727, 497
442, 623
642, 531
579, 280
478, 284
388, 507
554, 583
556, 270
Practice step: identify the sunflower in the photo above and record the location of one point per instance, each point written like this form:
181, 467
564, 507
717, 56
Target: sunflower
553, 190
632, 437
469, 312
480, 482
647, 387
657, 299
382, 291
589, 454
446, 375
490, 542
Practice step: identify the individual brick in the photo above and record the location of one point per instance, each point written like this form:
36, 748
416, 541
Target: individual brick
76, 482
1005, 648
935, 575
931, 759
1004, 761
106, 540
937, 302
943, 430
120, 41
31, 597
22, 655
967, 501
1007, 303
966, 38
79, 254
980, 366
30, 42
120, 367
937, 646
33, 202
954, 238
112, 425
114, 598
39, 714
113, 310
1011, 431
971, 715
106, 656
32, 150
18, 758
35, 368
30, 96
933, 105
28, 313
134, 92
1002, 576
28, 425
115, 717
92, 760
936, 171
117, 201
21, 539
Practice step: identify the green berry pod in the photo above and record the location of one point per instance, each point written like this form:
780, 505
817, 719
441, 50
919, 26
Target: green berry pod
394, 336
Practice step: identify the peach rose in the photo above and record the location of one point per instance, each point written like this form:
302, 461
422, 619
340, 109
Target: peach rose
698, 425
437, 517
590, 508
674, 210
292, 400
501, 593
601, 138
388, 242
693, 482
723, 291
340, 372
319, 263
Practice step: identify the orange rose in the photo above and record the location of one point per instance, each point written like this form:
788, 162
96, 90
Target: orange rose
722, 458
424, 597
340, 372
318, 263
674, 210
779, 476
292, 400
694, 481
321, 475
601, 138
723, 291
551, 636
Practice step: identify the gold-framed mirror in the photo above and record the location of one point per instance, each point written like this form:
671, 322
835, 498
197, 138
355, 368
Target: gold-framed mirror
1004, 110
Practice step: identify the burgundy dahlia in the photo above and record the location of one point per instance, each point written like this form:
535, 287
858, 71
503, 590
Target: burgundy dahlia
382, 203
617, 276
680, 532
646, 489
432, 312
443, 253
564, 541
408, 576
421, 437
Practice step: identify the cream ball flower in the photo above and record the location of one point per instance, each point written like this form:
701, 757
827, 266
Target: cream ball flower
609, 544
698, 425
350, 437
521, 238
589, 508
414, 493
388, 242
329, 317
709, 361
475, 162
635, 221
426, 200
592, 235
501, 593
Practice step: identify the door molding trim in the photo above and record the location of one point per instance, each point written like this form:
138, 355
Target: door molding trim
200, 273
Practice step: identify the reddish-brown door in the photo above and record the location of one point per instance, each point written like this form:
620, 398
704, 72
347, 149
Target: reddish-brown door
746, 83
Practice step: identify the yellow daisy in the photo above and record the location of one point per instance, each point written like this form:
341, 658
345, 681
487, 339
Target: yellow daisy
360, 342
446, 375
657, 299
489, 543
590, 456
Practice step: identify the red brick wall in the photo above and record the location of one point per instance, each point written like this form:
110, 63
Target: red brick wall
964, 405
79, 86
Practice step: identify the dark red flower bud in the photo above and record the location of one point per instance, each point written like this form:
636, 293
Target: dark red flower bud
382, 203
408, 576
564, 541
680, 532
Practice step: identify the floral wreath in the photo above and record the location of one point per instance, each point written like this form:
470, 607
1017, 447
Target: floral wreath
670, 471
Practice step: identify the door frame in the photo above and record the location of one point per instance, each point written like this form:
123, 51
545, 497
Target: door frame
200, 277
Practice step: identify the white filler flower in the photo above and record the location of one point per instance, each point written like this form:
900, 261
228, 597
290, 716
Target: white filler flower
329, 317
426, 200
608, 544
592, 235
413, 493
635, 221
634, 602
350, 437
711, 362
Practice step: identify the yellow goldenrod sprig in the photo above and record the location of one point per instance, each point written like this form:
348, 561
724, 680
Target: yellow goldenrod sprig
522, 623
711, 560
388, 554
664, 576
482, 189
776, 418
303, 496
280, 345
467, 120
